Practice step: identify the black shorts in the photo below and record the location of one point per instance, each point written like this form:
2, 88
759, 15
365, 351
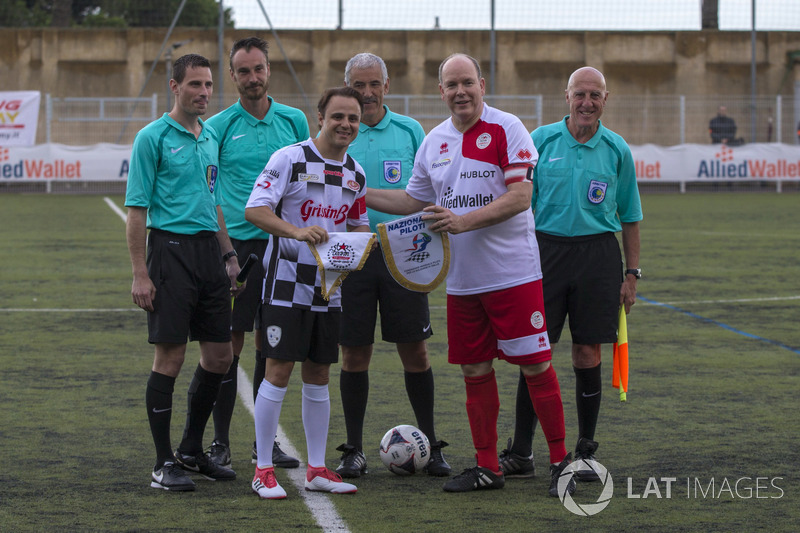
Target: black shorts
293, 334
246, 305
193, 296
582, 279
404, 314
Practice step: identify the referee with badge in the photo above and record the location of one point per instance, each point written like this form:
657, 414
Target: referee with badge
584, 191
385, 147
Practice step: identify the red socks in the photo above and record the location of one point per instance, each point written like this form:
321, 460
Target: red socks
545, 395
483, 408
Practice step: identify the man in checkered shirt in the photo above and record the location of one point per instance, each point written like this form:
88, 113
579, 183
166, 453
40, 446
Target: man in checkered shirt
306, 190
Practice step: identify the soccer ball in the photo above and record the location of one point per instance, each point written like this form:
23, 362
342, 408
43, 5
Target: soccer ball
405, 450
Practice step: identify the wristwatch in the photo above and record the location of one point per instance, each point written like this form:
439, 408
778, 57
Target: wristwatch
635, 271
230, 254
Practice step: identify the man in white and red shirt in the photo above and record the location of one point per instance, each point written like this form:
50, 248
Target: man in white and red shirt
306, 190
473, 178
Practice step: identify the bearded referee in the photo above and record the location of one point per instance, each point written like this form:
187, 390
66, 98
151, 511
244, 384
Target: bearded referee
249, 132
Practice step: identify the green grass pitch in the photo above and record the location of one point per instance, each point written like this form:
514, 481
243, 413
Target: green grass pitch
712, 403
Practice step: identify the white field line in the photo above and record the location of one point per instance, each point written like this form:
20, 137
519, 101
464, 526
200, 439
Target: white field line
323, 511
731, 301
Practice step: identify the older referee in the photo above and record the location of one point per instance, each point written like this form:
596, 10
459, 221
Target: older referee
385, 147
584, 192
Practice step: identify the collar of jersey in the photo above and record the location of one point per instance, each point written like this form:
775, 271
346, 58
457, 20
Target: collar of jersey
253, 121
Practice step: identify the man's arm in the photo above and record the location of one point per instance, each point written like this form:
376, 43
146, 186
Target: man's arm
516, 200
266, 219
232, 264
393, 202
630, 248
142, 290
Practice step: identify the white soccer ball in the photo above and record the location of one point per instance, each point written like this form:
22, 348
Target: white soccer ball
405, 450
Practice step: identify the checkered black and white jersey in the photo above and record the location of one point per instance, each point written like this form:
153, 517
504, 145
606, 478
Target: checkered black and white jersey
305, 189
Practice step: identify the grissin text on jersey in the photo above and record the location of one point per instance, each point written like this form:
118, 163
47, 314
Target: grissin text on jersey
308, 210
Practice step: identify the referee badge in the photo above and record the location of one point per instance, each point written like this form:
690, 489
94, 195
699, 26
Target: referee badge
391, 171
211, 177
597, 191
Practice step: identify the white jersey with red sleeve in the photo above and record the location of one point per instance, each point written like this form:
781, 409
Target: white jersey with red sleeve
464, 172
305, 189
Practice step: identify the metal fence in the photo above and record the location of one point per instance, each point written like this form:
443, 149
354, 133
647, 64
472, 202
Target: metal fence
665, 120
86, 121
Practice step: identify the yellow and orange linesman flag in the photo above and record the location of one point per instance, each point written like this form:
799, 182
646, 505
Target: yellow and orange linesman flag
620, 378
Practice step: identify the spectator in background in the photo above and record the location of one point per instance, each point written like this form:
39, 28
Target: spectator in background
723, 129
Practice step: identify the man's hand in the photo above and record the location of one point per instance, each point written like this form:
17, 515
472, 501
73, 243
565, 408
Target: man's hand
443, 220
311, 234
143, 292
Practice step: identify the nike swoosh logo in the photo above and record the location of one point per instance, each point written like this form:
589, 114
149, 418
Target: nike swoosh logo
162, 410
176, 150
158, 477
426, 328
238, 136
590, 395
554, 159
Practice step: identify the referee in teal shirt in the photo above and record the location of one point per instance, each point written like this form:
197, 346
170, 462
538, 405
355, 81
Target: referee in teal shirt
385, 147
249, 132
585, 191
184, 273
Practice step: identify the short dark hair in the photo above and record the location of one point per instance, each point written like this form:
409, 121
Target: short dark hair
457, 54
185, 62
347, 92
248, 43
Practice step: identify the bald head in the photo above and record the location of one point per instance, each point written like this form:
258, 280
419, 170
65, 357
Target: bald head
586, 96
587, 74
462, 56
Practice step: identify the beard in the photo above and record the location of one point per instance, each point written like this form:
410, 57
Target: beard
253, 92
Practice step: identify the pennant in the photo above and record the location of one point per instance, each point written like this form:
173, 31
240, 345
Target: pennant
417, 257
343, 253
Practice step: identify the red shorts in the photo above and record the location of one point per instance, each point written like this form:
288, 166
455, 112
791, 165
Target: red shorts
506, 324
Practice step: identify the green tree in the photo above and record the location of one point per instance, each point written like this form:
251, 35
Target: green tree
117, 13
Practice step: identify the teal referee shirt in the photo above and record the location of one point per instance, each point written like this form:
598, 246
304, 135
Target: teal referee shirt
174, 175
245, 146
386, 152
583, 189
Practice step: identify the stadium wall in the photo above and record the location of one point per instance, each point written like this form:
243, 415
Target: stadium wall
114, 62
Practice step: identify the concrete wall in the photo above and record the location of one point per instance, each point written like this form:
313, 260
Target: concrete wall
111, 62
76, 62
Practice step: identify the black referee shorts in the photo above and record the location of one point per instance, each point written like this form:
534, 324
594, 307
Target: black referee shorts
582, 277
193, 296
405, 316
